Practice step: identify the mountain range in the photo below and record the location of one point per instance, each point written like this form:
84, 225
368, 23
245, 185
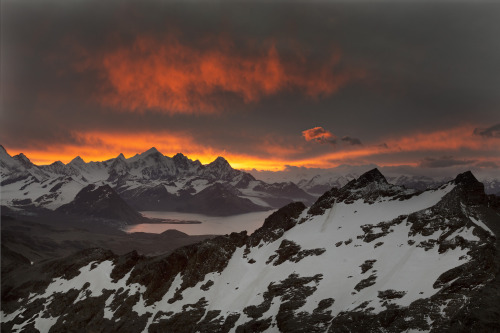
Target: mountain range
370, 256
151, 181
147, 181
316, 182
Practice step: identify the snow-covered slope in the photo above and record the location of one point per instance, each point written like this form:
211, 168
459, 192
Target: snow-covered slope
368, 257
147, 181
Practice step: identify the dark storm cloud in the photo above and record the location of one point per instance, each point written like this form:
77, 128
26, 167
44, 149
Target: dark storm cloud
443, 162
490, 132
427, 66
351, 141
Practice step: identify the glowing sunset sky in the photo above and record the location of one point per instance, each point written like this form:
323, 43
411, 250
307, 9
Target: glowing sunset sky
265, 85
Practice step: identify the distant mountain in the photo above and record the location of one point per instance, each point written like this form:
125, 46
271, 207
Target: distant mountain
321, 183
370, 256
102, 202
147, 181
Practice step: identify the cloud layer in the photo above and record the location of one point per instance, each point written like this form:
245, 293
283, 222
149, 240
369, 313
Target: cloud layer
169, 76
245, 80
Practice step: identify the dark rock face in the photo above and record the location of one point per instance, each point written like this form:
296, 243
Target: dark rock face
218, 199
194, 261
184, 321
367, 265
371, 176
472, 190
374, 231
102, 202
290, 251
277, 223
369, 281
293, 292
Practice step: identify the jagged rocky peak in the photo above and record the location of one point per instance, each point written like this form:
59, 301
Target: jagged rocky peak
120, 157
180, 157
181, 161
466, 178
5, 156
151, 150
77, 161
22, 159
219, 165
57, 164
369, 187
120, 161
472, 190
220, 169
220, 161
369, 177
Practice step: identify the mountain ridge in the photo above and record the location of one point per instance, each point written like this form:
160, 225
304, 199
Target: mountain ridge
173, 183
374, 257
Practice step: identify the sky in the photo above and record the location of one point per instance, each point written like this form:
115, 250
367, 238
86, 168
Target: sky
267, 85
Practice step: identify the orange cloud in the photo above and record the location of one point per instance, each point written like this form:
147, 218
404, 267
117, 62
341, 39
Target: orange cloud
172, 77
319, 134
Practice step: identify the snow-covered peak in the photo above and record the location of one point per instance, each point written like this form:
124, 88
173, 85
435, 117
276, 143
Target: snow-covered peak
5, 159
58, 164
23, 160
118, 166
3, 150
221, 169
184, 165
220, 160
77, 161
372, 184
181, 160
219, 163
150, 151
120, 157
180, 156
370, 187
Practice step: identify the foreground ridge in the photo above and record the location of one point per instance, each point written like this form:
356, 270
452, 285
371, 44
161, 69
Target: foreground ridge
365, 257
